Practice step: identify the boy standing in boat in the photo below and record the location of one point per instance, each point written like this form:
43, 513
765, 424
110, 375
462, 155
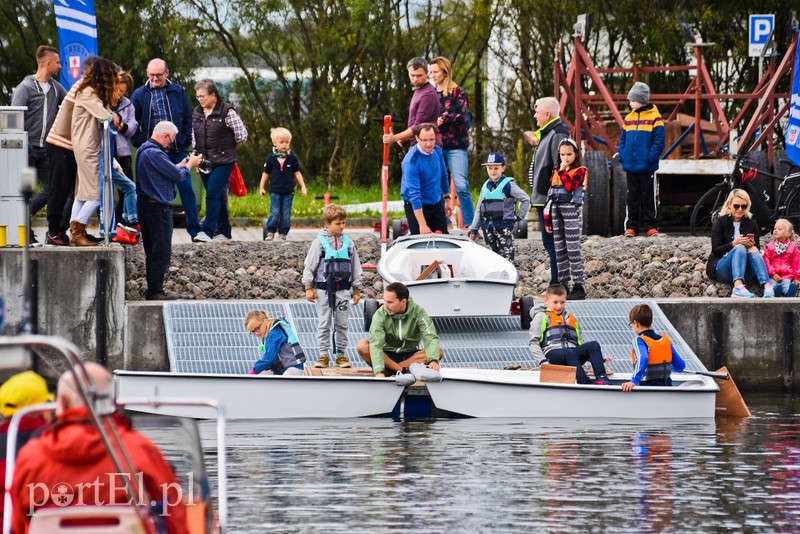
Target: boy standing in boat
496, 212
332, 272
556, 338
653, 355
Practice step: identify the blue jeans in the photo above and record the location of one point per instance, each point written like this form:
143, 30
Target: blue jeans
458, 165
128, 189
738, 264
589, 351
280, 213
217, 201
785, 288
188, 198
549, 244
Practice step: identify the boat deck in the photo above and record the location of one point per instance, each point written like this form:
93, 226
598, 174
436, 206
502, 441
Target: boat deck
209, 336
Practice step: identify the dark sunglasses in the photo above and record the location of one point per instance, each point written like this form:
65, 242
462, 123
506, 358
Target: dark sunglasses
739, 206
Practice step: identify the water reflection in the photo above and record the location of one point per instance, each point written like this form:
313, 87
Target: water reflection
506, 475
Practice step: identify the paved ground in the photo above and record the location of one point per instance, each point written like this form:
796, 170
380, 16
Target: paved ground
240, 233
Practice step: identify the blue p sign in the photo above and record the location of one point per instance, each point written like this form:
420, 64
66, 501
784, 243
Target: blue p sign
760, 28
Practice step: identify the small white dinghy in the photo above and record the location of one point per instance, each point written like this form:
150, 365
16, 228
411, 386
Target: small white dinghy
520, 394
451, 276
264, 396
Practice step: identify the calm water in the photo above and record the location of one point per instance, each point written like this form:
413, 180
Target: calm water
496, 475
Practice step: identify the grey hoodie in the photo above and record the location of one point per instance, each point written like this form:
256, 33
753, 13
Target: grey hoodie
42, 108
539, 322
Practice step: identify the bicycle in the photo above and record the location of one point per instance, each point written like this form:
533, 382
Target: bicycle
786, 205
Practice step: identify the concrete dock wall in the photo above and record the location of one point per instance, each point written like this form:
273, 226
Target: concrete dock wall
79, 294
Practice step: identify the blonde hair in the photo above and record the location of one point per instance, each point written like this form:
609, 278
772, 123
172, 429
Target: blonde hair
736, 193
333, 212
261, 316
448, 86
788, 223
279, 133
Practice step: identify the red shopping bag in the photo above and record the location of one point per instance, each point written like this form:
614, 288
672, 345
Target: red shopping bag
236, 182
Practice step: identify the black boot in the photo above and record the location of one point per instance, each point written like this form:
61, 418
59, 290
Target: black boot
577, 293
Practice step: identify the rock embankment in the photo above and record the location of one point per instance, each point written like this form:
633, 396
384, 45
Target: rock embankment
663, 267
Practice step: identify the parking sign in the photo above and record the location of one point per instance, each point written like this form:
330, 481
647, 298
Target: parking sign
760, 28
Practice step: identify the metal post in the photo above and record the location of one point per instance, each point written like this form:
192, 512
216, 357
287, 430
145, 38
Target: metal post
387, 129
107, 199
716, 338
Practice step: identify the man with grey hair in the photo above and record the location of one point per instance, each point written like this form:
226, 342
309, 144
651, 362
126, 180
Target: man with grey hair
424, 105
70, 465
545, 159
155, 179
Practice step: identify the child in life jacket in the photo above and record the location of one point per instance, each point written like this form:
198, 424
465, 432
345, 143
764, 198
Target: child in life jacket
566, 217
496, 211
654, 358
555, 337
280, 350
332, 273
782, 258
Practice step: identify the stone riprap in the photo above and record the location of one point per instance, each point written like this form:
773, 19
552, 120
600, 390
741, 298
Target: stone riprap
617, 267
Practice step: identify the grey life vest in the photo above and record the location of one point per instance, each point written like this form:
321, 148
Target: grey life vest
497, 205
291, 353
335, 269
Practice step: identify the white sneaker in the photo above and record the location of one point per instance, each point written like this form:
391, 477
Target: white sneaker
220, 237
404, 379
269, 237
424, 373
282, 237
201, 237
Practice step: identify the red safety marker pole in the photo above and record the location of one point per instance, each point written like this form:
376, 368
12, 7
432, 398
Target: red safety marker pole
387, 129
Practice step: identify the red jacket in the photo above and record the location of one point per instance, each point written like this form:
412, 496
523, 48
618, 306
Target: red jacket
69, 460
786, 265
27, 427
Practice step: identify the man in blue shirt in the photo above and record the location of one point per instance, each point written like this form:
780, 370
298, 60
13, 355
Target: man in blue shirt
425, 186
156, 177
161, 99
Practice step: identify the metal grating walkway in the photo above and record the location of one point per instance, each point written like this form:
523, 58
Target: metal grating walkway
209, 337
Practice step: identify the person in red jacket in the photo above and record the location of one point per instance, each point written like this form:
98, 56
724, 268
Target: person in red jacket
69, 465
19, 391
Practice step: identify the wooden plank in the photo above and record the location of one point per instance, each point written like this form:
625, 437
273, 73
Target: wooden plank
729, 401
557, 374
428, 270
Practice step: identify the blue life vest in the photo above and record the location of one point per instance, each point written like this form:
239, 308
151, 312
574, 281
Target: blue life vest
290, 353
496, 205
335, 270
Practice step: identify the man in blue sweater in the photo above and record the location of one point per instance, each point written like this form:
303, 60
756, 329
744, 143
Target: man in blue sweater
156, 176
425, 186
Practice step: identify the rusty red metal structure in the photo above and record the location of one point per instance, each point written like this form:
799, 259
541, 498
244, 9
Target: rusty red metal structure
596, 108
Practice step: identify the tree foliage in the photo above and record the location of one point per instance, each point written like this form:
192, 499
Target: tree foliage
329, 70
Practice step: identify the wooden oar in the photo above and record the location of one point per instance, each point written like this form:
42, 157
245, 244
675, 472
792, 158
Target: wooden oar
729, 400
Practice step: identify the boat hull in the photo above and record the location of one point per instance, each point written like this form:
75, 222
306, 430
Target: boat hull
264, 396
470, 281
518, 394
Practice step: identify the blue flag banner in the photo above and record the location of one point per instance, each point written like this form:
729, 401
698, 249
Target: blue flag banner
793, 128
77, 36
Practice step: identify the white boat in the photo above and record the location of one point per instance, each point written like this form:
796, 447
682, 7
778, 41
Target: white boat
264, 396
451, 276
519, 394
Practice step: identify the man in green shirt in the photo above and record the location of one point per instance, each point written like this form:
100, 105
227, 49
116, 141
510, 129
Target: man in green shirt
396, 331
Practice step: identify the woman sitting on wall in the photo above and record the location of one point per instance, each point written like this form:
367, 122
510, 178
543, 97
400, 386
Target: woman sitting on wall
735, 257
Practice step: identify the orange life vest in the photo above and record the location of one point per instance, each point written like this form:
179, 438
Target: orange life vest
659, 357
560, 333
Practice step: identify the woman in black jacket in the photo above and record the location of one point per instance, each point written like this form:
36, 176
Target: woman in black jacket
734, 248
